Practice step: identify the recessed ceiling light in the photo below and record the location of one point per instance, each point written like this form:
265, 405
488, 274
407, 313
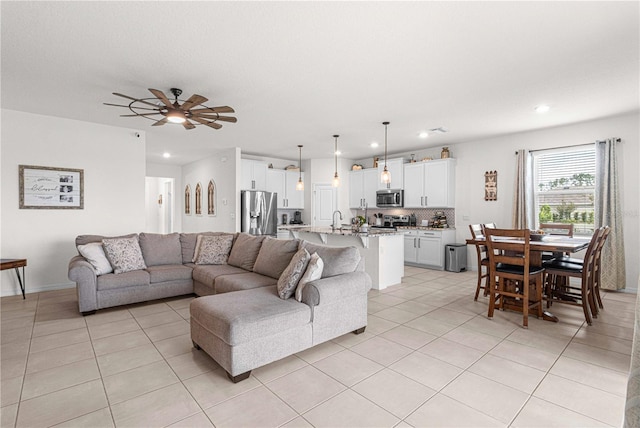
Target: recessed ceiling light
423, 134
338, 152
373, 144
166, 155
542, 108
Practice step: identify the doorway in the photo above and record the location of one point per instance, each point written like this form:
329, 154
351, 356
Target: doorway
325, 202
159, 204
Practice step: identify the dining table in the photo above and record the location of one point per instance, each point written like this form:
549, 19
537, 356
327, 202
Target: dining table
557, 244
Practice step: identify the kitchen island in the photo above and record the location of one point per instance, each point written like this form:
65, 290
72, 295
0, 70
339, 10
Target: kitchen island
383, 251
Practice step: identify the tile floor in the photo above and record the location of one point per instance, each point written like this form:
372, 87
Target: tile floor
429, 357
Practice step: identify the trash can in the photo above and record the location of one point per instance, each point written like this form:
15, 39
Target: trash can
455, 257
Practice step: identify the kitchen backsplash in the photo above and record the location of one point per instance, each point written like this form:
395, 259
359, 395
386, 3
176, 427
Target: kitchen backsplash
421, 213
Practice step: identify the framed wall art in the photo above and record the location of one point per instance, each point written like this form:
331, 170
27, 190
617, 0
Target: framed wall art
211, 198
44, 187
491, 186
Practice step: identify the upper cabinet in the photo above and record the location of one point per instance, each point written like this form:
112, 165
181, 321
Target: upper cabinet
284, 184
396, 169
254, 175
363, 185
430, 184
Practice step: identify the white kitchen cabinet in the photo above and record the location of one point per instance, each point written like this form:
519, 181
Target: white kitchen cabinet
254, 175
362, 188
396, 169
284, 184
425, 248
430, 184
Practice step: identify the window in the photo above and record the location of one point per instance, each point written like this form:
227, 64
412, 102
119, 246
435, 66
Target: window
564, 187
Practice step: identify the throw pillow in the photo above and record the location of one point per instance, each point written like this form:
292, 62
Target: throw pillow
289, 279
124, 254
94, 253
196, 250
245, 251
214, 250
313, 272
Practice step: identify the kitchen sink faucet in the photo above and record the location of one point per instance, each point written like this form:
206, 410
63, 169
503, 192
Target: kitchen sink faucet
333, 218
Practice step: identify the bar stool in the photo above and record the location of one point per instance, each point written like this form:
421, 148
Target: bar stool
509, 261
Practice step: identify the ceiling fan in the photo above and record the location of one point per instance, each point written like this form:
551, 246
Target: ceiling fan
161, 110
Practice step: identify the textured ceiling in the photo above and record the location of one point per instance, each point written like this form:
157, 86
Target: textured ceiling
299, 72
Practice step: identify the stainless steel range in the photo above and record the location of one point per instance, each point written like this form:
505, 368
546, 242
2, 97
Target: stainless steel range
395, 220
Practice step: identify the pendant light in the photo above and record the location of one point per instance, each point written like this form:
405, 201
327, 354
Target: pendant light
386, 175
300, 184
336, 179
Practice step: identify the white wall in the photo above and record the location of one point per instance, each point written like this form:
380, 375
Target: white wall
320, 171
113, 160
156, 213
223, 168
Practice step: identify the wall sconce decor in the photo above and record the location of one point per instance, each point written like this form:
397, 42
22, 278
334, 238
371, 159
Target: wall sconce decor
491, 186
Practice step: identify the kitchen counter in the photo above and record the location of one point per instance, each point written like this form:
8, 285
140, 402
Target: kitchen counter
347, 231
424, 228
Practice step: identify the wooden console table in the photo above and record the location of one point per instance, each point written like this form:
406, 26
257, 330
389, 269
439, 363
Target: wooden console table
16, 263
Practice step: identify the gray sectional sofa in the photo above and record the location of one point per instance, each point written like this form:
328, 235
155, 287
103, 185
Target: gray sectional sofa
240, 320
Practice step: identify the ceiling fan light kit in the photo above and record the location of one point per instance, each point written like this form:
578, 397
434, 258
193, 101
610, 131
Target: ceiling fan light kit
161, 110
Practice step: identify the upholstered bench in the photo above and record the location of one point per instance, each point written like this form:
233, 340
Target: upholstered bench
250, 328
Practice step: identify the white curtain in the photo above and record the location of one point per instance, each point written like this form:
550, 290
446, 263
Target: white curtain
523, 206
608, 212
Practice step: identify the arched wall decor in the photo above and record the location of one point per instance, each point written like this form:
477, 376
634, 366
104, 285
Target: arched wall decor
211, 198
198, 199
187, 200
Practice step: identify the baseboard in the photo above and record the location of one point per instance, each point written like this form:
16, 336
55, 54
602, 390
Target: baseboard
37, 289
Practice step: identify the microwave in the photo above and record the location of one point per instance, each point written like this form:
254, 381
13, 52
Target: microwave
390, 198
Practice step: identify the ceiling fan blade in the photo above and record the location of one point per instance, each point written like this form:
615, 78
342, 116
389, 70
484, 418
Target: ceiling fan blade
205, 122
141, 114
162, 97
135, 99
188, 125
217, 117
140, 108
194, 100
160, 122
221, 109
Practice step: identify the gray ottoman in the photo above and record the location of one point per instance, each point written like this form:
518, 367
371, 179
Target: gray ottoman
247, 329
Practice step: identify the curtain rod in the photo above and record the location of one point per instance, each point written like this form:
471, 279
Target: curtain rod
617, 140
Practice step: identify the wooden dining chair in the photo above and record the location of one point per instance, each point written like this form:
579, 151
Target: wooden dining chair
559, 288
510, 262
560, 229
483, 261
597, 274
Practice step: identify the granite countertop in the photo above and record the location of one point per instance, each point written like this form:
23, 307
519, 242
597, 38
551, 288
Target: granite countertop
349, 232
292, 226
424, 228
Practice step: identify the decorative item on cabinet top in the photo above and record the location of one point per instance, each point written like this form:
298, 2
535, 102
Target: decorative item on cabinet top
356, 167
291, 168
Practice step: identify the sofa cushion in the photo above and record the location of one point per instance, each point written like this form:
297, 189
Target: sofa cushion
166, 273
159, 249
292, 274
112, 281
188, 243
313, 272
248, 315
242, 281
207, 274
94, 253
245, 251
213, 250
85, 239
124, 254
274, 256
337, 260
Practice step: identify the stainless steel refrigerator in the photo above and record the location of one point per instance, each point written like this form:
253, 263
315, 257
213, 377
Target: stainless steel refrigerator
259, 212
